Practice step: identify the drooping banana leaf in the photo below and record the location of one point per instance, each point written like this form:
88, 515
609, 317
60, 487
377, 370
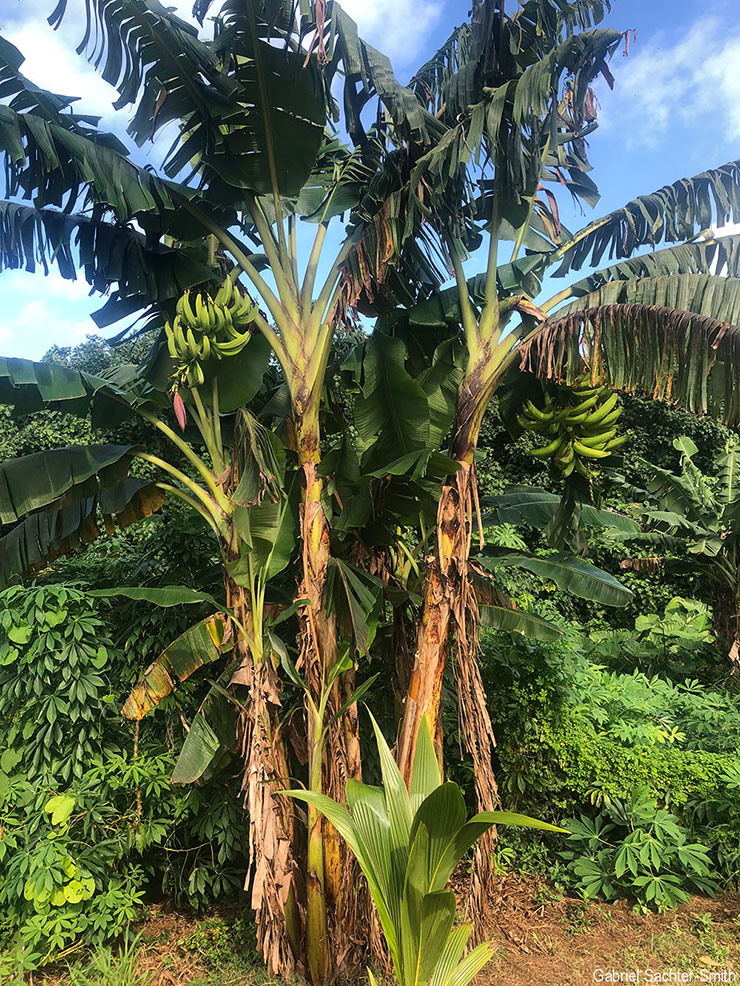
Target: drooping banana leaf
705, 294
47, 534
714, 256
32, 386
59, 476
247, 109
25, 96
171, 595
210, 738
201, 644
52, 164
518, 621
673, 213
103, 252
570, 573
392, 404
686, 359
358, 600
529, 505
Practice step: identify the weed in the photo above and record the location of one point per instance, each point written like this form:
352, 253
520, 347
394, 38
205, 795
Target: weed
107, 967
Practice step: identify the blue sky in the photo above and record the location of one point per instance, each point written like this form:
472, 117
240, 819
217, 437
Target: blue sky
675, 111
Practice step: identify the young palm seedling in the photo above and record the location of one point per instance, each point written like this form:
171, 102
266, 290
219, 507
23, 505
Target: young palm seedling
408, 843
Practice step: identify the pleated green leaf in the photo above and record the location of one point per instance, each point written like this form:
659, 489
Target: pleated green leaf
472, 964
451, 954
442, 813
425, 774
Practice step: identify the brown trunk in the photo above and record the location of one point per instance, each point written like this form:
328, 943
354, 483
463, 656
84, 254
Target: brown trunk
425, 685
273, 871
338, 885
479, 741
450, 606
726, 622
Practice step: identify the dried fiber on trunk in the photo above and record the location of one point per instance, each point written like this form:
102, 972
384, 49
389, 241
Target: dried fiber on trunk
676, 356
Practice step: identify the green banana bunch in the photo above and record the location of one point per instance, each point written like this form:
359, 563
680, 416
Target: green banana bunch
580, 423
205, 328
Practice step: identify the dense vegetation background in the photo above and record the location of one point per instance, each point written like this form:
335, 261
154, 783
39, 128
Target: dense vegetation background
625, 729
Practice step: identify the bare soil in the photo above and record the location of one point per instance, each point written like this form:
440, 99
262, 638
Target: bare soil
548, 940
543, 938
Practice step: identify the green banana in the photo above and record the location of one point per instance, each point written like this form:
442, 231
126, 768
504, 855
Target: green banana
589, 453
585, 405
187, 310
598, 441
546, 451
536, 414
610, 419
616, 443
597, 416
192, 345
180, 342
567, 456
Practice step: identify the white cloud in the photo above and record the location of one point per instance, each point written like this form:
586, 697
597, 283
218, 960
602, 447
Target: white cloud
686, 82
397, 27
37, 312
51, 60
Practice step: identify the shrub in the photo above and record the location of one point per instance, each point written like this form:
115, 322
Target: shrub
90, 823
635, 849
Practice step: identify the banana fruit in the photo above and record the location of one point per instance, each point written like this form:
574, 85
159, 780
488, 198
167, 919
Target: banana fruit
580, 424
207, 327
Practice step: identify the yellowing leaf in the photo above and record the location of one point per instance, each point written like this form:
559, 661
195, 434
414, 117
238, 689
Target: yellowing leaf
60, 808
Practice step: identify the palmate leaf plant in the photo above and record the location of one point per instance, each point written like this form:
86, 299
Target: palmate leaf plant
76, 802
408, 842
635, 849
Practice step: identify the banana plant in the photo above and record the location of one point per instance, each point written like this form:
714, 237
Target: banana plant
696, 516
252, 155
408, 843
514, 91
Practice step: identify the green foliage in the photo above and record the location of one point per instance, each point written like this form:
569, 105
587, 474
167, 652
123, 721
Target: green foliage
219, 942
55, 701
633, 848
91, 824
109, 968
677, 643
579, 725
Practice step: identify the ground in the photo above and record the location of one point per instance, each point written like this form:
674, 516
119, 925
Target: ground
548, 940
543, 938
